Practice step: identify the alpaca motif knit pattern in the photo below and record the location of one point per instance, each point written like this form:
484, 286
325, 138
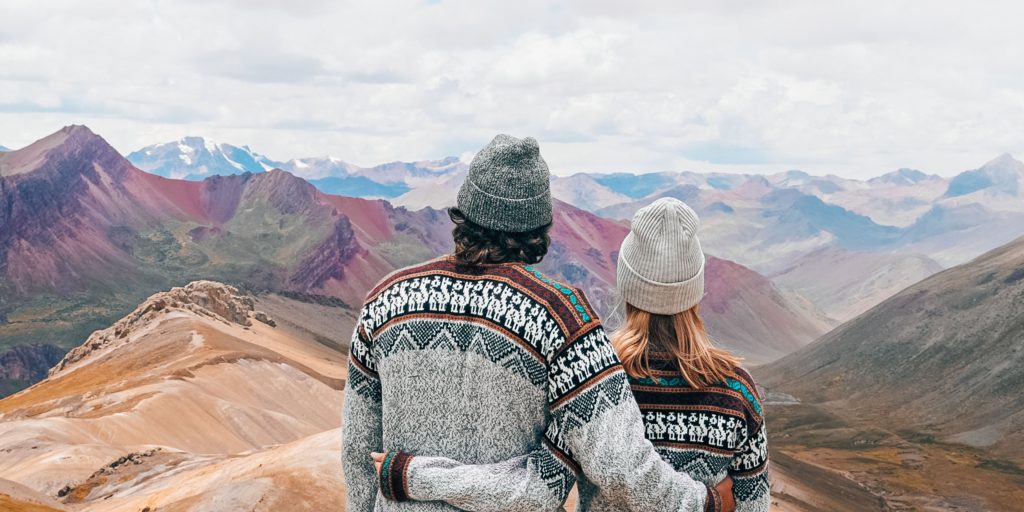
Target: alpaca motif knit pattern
710, 432
495, 388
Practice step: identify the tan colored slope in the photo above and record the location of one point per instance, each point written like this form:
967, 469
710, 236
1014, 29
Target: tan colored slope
17, 497
12, 504
29, 158
303, 475
202, 384
846, 283
801, 487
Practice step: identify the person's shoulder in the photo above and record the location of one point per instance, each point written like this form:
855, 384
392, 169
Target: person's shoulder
440, 264
741, 374
743, 383
565, 301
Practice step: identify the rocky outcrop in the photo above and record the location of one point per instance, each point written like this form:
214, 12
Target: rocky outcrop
77, 493
23, 365
207, 298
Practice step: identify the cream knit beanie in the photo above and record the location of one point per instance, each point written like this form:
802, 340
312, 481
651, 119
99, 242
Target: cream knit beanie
661, 265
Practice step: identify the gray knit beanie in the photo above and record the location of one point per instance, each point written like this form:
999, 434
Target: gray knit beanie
508, 187
661, 265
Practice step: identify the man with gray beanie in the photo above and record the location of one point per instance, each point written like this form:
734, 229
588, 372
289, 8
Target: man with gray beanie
490, 386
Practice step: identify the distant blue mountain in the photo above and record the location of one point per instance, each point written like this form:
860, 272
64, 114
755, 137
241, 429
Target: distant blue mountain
903, 177
3, 148
943, 219
359, 186
720, 207
853, 230
635, 186
1003, 174
801, 214
720, 183
825, 186
968, 182
684, 193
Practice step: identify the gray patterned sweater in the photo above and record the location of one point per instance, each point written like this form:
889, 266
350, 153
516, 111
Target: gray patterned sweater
511, 376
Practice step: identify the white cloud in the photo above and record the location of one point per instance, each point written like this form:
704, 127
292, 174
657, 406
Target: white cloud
855, 89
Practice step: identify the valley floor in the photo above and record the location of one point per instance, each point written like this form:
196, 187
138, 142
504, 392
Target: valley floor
860, 467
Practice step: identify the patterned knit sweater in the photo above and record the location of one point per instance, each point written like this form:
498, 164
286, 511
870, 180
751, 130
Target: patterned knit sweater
505, 389
707, 433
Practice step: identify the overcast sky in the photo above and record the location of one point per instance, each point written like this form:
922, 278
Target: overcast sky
827, 87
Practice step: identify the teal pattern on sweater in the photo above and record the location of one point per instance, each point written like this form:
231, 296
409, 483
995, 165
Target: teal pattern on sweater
562, 288
739, 386
681, 382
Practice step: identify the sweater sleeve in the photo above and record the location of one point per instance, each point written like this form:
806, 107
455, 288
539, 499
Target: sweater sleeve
595, 421
749, 472
595, 428
538, 481
361, 420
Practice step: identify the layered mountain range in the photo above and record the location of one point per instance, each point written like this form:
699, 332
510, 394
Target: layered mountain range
86, 236
880, 235
868, 239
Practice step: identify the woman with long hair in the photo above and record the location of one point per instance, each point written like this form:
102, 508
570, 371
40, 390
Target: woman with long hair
700, 408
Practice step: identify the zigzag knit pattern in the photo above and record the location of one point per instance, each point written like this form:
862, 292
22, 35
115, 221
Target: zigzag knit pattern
463, 336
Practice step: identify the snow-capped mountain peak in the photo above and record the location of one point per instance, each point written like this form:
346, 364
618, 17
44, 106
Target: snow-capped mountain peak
319, 167
195, 158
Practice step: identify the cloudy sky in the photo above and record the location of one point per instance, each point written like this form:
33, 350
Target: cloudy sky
828, 87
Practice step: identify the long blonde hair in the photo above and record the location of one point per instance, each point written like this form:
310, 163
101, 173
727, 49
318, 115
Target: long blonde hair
682, 336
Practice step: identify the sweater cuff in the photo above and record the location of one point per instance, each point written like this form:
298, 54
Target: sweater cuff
394, 473
713, 503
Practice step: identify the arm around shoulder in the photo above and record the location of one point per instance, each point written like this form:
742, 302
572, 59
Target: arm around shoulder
596, 421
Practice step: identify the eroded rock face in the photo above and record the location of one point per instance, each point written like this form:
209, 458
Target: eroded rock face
28, 363
329, 259
208, 298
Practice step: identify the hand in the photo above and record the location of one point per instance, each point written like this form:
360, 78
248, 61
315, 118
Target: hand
724, 489
378, 461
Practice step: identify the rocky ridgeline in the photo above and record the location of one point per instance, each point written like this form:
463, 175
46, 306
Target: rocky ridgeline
207, 298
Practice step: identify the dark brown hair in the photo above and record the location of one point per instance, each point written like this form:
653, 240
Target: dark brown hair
476, 244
